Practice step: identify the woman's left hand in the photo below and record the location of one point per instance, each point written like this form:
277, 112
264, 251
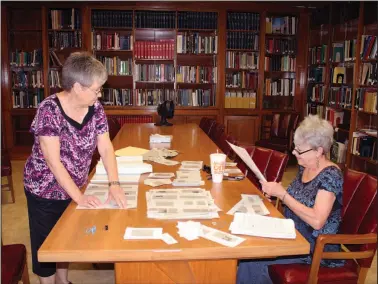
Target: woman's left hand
116, 193
273, 188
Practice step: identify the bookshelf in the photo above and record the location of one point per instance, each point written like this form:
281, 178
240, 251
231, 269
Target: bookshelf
134, 39
280, 61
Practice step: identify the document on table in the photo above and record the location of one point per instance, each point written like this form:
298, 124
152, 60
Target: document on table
131, 151
161, 175
103, 179
102, 193
243, 154
126, 168
156, 182
220, 237
143, 233
252, 204
262, 226
180, 203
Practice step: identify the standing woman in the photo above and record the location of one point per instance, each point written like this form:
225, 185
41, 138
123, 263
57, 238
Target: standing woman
67, 128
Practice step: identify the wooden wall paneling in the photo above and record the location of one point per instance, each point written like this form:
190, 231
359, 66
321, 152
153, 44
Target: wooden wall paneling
302, 63
6, 99
244, 128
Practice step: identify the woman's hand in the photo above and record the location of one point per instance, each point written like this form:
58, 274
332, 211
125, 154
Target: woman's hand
116, 193
89, 201
273, 189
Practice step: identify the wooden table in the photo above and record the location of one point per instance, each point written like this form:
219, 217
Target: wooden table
153, 261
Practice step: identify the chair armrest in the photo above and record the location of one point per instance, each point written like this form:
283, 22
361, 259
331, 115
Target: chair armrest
351, 239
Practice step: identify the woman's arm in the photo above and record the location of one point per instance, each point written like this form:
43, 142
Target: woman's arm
315, 216
106, 150
50, 147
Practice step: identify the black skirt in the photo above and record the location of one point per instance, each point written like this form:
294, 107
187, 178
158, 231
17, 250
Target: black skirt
43, 215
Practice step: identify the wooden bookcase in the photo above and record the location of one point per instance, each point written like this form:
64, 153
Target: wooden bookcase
350, 26
157, 24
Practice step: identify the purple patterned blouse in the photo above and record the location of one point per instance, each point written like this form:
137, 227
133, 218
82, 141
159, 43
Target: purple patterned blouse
77, 144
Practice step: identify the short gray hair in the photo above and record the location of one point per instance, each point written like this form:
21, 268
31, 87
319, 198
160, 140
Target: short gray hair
83, 68
316, 132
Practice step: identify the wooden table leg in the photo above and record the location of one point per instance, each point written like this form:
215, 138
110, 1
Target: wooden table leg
177, 272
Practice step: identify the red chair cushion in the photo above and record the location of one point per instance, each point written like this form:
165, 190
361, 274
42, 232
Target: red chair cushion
298, 273
6, 171
13, 258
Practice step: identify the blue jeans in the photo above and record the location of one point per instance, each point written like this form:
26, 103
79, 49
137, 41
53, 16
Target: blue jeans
256, 271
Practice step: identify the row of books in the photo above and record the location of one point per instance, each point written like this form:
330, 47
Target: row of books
112, 19
240, 99
280, 63
242, 79
116, 66
242, 60
54, 79
364, 145
285, 46
279, 87
281, 25
197, 20
315, 93
366, 100
342, 75
163, 49
315, 109
338, 152
27, 98
344, 51
369, 74
64, 19
54, 60
242, 40
196, 74
243, 21
335, 117
21, 58
196, 43
154, 73
318, 54
368, 47
155, 19
111, 41
60, 40
340, 97
197, 97
316, 75
29, 79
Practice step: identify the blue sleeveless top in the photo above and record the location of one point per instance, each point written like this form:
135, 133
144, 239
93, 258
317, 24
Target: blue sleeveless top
329, 179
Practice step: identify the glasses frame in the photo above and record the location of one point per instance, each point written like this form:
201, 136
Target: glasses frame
97, 93
300, 153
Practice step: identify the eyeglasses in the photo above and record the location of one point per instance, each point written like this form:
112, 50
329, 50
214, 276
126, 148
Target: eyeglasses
97, 92
300, 153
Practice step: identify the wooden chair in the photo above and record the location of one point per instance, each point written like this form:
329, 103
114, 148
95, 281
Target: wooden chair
6, 171
223, 145
278, 131
14, 267
358, 232
203, 122
207, 125
216, 131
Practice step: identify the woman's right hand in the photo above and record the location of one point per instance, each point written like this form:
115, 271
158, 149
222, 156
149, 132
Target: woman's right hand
89, 201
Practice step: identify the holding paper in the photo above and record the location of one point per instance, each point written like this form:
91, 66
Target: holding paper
243, 154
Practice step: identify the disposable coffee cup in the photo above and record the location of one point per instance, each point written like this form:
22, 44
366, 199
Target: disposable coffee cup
218, 164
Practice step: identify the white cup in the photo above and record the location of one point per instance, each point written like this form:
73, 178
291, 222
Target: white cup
218, 163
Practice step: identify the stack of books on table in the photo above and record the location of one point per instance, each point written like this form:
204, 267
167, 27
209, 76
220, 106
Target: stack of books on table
181, 203
157, 138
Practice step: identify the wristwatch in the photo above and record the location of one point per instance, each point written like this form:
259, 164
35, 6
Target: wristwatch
114, 183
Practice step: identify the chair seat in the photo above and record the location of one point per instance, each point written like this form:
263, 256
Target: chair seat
298, 273
6, 171
13, 259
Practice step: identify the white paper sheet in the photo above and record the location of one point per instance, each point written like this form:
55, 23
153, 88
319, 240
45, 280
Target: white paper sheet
143, 233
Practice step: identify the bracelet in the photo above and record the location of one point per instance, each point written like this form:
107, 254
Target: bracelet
114, 183
283, 198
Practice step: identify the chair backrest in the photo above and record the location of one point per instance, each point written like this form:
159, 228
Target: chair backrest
216, 131
272, 164
209, 126
359, 213
283, 124
114, 127
203, 122
223, 145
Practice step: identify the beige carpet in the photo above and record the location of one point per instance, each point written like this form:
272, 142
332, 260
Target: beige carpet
15, 229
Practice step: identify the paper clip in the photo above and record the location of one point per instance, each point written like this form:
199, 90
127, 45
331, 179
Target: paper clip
91, 230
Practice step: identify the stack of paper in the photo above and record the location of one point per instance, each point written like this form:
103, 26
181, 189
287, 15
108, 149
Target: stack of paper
189, 230
102, 193
123, 179
157, 179
262, 226
183, 203
220, 237
252, 204
160, 155
143, 233
126, 167
157, 138
191, 166
189, 174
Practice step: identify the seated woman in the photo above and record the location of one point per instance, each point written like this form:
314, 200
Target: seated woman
313, 200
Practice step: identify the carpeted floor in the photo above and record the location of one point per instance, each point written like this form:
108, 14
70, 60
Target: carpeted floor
15, 229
